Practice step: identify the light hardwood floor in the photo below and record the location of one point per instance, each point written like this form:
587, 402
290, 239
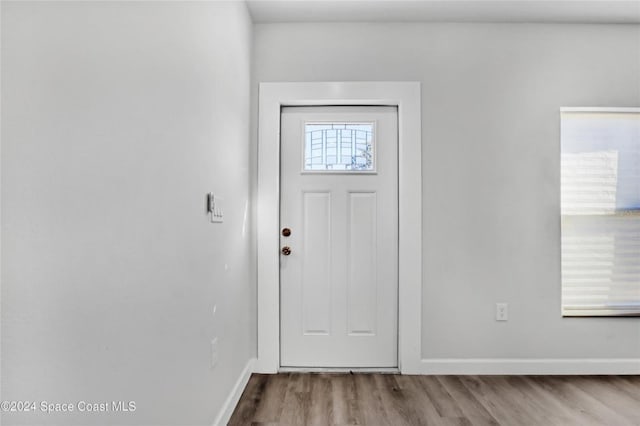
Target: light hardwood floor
395, 400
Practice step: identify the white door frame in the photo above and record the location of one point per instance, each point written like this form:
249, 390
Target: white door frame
404, 95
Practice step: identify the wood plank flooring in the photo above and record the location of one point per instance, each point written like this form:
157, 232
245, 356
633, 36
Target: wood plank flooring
390, 399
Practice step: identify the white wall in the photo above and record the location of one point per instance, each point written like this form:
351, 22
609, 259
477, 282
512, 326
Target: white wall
491, 95
117, 118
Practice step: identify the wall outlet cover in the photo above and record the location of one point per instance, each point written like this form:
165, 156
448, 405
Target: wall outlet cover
502, 312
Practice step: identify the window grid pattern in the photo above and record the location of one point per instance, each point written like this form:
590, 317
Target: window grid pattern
339, 147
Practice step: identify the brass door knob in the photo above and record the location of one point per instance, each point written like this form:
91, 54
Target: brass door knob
286, 250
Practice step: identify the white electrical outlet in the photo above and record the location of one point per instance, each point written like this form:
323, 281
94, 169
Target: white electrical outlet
502, 311
215, 356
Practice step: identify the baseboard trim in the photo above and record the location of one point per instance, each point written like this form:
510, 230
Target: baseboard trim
531, 366
232, 400
354, 370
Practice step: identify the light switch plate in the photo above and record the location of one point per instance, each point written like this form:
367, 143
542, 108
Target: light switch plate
214, 207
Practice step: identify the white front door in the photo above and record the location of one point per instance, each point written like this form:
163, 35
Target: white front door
339, 266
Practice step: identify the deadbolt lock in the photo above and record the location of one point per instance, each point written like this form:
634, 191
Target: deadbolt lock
286, 232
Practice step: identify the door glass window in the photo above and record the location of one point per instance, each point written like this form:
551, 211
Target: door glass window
339, 147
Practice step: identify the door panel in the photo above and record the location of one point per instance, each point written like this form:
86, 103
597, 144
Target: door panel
316, 258
361, 263
339, 197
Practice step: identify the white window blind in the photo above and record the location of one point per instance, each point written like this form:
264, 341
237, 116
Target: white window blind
600, 205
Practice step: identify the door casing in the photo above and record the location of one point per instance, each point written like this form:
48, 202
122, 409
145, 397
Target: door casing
404, 95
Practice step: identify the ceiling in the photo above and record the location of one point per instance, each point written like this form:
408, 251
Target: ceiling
552, 11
